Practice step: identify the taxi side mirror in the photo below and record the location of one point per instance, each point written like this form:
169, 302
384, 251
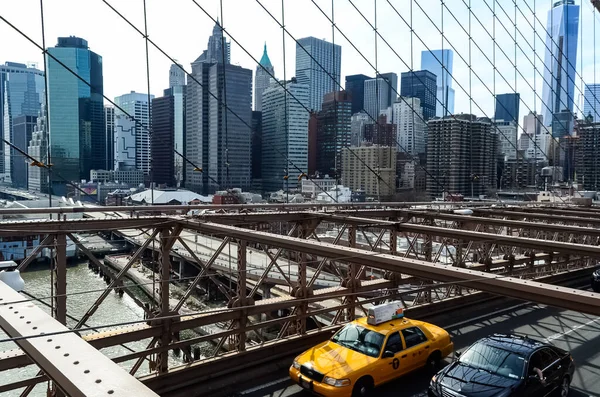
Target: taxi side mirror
387, 354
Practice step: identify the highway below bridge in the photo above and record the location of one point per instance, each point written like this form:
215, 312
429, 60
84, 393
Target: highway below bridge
576, 332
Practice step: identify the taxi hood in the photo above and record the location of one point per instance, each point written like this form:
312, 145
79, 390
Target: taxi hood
333, 360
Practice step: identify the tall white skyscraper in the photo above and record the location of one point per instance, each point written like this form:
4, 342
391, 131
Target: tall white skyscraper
558, 92
591, 101
136, 104
262, 79
176, 76
439, 62
284, 133
407, 114
320, 70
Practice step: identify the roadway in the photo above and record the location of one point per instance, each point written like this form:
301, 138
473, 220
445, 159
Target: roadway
576, 332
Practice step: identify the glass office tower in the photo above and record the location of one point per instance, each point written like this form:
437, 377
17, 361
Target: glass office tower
439, 62
560, 60
76, 112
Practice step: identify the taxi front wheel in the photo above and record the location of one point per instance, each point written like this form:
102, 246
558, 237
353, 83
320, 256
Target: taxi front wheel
363, 387
434, 362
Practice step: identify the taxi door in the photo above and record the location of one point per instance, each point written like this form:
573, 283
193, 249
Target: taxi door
417, 348
394, 361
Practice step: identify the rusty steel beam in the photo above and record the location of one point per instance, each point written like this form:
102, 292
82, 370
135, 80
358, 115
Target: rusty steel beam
226, 207
118, 277
507, 286
46, 226
537, 244
538, 215
31, 257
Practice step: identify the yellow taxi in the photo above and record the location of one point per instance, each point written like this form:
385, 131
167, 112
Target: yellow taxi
371, 351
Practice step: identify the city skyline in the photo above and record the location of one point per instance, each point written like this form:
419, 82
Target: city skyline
351, 64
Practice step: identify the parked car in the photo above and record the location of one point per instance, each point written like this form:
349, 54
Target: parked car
595, 279
506, 366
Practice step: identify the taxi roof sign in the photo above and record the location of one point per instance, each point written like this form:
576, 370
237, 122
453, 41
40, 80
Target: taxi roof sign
385, 312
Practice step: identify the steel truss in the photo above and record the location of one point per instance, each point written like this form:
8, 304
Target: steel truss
376, 253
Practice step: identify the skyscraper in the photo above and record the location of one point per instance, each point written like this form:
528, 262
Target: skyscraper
23, 127
124, 149
263, 74
407, 115
176, 75
318, 64
355, 87
21, 94
218, 49
461, 155
439, 62
333, 132
109, 124
507, 107
168, 136
558, 92
218, 120
591, 101
380, 93
137, 106
76, 112
420, 84
38, 149
163, 137
285, 134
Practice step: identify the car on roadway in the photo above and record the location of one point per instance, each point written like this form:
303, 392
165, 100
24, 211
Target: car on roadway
595, 281
363, 355
506, 366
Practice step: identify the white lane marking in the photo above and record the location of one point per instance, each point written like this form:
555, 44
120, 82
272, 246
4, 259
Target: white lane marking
265, 385
487, 315
558, 335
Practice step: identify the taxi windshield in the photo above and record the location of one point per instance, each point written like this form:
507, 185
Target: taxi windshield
360, 339
494, 360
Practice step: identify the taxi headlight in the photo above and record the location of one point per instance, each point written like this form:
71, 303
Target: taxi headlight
296, 365
336, 382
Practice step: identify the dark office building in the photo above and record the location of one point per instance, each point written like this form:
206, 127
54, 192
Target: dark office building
507, 107
355, 87
313, 150
76, 112
256, 145
333, 132
162, 140
420, 84
382, 133
22, 128
587, 164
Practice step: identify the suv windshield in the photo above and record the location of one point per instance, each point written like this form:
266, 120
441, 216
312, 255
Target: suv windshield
494, 360
360, 339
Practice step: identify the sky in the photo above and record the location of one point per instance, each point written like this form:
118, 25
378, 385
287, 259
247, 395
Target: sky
181, 29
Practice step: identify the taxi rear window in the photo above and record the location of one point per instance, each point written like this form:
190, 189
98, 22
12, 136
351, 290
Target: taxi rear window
359, 339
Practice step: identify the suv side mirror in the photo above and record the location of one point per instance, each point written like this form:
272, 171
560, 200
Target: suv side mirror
387, 354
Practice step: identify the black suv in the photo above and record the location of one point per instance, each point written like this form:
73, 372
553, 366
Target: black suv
596, 281
503, 366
